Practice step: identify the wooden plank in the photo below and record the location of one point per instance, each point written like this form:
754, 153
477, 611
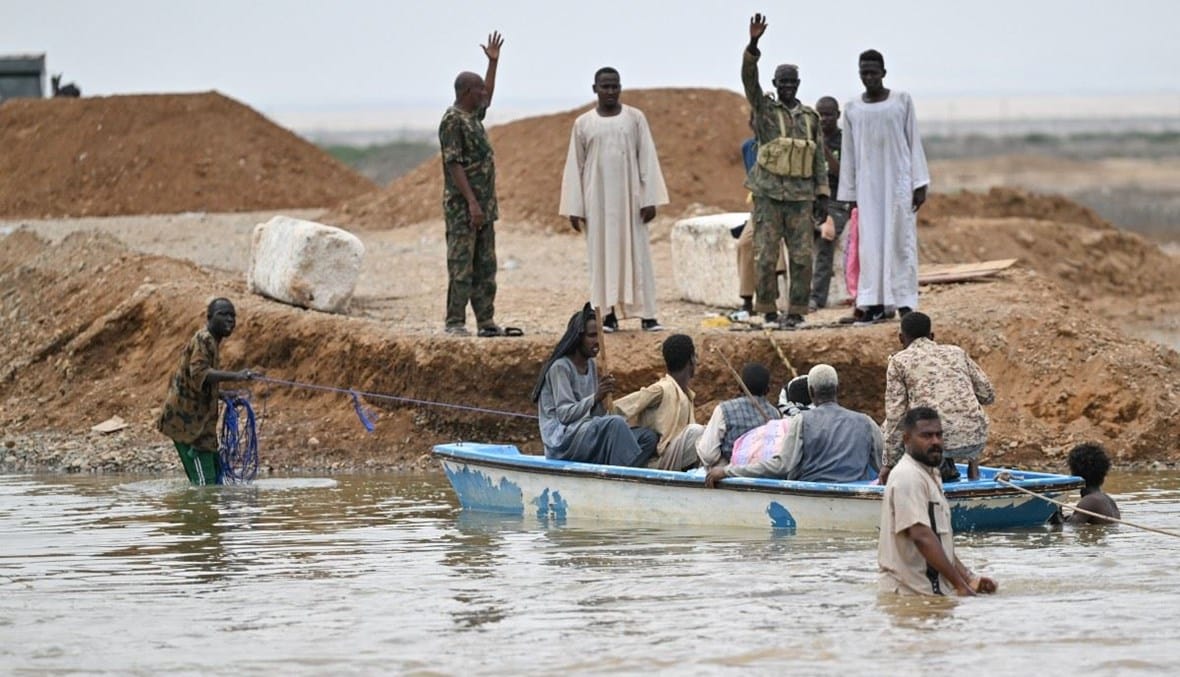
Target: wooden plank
957, 272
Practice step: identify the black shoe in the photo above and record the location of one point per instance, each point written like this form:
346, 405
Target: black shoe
949, 471
770, 318
873, 315
792, 321
855, 317
748, 304
651, 324
610, 323
903, 311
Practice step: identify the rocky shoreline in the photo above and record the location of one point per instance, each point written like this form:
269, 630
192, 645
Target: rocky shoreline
134, 454
57, 452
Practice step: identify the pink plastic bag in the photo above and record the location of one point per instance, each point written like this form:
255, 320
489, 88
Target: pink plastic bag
760, 443
852, 254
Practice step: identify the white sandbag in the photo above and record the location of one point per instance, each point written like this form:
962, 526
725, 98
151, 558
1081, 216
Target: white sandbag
304, 263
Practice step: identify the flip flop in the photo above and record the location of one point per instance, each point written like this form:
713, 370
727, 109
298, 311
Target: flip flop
493, 331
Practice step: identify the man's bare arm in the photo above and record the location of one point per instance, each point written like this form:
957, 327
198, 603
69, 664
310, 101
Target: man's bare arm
931, 548
492, 50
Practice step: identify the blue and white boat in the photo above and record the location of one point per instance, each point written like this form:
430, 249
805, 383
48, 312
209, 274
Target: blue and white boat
499, 479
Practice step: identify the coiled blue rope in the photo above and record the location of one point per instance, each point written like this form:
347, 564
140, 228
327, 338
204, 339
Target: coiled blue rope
238, 440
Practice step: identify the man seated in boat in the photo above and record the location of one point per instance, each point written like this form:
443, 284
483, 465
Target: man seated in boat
916, 545
735, 417
569, 394
1090, 462
826, 443
666, 407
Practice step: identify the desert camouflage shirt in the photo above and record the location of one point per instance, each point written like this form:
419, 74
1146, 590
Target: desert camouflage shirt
463, 140
944, 378
761, 182
189, 415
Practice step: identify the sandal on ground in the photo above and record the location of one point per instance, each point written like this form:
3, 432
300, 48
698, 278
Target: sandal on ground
791, 321
457, 330
500, 331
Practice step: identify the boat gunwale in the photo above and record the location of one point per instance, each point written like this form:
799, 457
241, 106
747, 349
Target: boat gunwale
537, 465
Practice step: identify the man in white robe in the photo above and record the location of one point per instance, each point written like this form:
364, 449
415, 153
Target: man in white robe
884, 173
612, 185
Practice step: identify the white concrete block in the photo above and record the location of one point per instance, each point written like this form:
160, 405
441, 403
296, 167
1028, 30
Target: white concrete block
704, 259
304, 263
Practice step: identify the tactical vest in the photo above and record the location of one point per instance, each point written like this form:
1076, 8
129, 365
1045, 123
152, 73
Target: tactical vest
787, 156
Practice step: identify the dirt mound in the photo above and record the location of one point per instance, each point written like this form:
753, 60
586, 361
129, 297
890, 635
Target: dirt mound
1052, 235
93, 330
156, 154
1007, 203
698, 133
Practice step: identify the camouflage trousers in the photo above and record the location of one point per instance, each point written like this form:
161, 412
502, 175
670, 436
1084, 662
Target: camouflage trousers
774, 222
471, 272
825, 251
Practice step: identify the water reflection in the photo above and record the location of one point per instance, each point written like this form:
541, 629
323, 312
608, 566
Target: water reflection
385, 574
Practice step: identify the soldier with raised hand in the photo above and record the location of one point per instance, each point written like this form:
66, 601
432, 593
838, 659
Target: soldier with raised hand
469, 199
789, 182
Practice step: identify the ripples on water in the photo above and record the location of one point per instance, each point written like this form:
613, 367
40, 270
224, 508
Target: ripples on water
382, 574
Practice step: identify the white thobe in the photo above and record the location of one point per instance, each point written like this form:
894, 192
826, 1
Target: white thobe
611, 172
881, 164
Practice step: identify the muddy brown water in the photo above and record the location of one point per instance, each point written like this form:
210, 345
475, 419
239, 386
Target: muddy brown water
383, 574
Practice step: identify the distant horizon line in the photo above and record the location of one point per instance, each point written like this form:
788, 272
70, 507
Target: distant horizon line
1158, 111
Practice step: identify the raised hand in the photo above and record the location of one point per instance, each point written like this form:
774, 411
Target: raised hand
757, 27
492, 49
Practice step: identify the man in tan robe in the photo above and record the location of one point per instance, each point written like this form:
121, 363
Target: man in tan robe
666, 407
612, 185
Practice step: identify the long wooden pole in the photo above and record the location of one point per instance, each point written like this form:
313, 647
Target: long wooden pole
758, 402
781, 355
608, 401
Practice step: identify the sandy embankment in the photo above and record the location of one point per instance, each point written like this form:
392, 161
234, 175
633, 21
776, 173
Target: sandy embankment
94, 324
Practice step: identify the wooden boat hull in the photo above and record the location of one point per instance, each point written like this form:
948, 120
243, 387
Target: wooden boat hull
499, 479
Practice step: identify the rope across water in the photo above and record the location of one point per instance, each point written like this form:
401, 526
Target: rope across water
363, 414
1000, 479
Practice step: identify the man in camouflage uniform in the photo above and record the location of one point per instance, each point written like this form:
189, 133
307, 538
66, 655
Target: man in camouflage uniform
943, 378
789, 197
828, 110
189, 415
469, 199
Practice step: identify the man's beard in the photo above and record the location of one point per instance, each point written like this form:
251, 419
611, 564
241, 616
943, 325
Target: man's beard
926, 459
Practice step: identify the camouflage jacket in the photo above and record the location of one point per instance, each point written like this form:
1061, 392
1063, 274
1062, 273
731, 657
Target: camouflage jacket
766, 109
944, 378
189, 415
463, 140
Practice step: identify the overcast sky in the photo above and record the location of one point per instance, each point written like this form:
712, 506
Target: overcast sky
292, 55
